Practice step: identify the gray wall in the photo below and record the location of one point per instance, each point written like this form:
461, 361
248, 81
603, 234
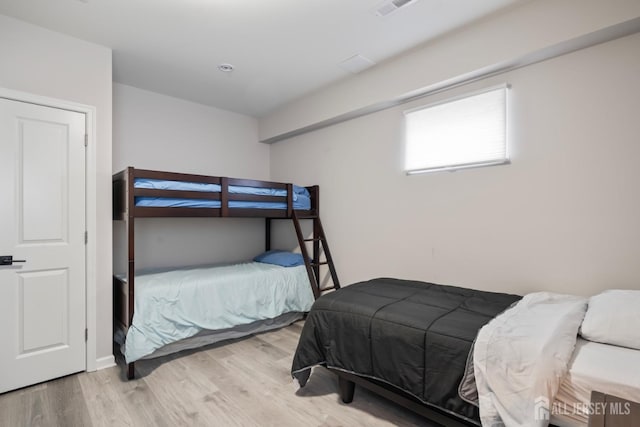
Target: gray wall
564, 216
153, 131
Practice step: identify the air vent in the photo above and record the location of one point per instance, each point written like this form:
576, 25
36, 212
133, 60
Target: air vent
356, 64
390, 6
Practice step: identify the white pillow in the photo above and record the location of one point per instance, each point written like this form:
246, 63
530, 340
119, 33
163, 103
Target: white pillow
613, 317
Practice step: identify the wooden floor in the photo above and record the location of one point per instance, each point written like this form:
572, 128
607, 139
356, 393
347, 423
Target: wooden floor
238, 383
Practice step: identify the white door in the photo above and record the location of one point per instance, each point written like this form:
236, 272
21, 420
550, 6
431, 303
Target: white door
42, 221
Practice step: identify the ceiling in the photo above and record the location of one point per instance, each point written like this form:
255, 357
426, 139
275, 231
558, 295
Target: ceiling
280, 49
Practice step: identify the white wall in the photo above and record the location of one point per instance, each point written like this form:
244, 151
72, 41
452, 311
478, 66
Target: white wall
153, 131
45, 63
509, 34
563, 216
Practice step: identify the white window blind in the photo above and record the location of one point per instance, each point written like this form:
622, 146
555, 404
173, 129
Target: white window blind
464, 132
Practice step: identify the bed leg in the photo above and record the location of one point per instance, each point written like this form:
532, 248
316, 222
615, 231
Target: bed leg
130, 371
346, 389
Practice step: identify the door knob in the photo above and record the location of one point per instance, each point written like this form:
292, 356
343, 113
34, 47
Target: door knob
8, 260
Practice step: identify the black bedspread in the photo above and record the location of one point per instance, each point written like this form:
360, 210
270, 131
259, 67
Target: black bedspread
413, 335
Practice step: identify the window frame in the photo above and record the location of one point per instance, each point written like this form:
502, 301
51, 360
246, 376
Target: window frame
452, 168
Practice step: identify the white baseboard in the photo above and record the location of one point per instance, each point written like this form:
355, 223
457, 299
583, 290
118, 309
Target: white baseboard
105, 362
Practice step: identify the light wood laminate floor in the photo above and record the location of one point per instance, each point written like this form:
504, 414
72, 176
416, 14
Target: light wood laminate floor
237, 383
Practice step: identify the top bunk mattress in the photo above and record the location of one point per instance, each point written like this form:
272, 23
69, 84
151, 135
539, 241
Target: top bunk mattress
301, 196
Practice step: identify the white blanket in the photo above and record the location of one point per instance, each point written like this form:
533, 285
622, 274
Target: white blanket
520, 357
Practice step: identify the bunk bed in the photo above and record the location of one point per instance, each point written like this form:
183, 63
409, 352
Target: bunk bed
139, 193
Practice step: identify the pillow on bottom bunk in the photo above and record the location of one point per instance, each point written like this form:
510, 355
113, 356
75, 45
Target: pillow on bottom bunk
281, 258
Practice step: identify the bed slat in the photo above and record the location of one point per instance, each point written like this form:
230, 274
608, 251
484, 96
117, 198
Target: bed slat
146, 212
253, 183
177, 194
174, 176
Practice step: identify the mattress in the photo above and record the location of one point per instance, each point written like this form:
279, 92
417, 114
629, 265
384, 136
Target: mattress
177, 304
414, 336
301, 197
605, 368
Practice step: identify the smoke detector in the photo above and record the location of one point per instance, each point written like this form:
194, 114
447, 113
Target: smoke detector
389, 6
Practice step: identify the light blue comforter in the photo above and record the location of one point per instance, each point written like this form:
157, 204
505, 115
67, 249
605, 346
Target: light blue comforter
301, 196
177, 304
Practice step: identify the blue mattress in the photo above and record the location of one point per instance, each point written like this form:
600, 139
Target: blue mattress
301, 197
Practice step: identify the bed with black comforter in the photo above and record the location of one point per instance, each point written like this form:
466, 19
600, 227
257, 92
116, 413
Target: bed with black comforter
414, 336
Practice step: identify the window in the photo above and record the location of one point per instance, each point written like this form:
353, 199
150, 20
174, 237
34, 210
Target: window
467, 131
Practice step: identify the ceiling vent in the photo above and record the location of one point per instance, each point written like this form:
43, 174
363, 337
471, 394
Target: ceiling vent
356, 64
390, 6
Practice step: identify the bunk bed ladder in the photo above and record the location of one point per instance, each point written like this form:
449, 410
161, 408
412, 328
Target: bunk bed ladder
313, 264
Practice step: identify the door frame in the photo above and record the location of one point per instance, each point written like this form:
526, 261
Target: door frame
91, 213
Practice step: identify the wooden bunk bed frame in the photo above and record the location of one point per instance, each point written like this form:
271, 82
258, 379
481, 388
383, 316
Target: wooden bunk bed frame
125, 209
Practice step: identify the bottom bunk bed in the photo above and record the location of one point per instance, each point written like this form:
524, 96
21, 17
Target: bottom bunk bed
189, 307
460, 356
